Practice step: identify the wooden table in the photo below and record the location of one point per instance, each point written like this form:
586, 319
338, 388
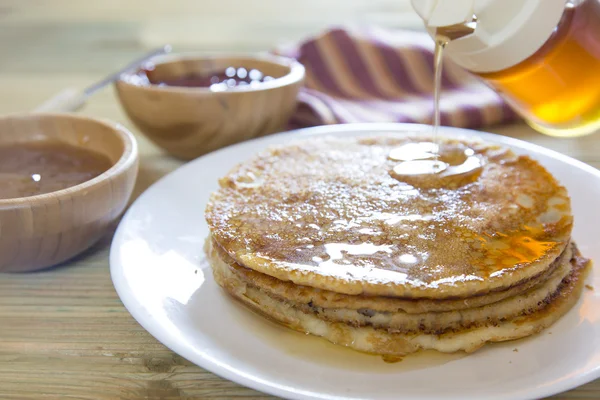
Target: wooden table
63, 332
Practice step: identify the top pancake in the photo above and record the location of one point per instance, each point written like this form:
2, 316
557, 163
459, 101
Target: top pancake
329, 213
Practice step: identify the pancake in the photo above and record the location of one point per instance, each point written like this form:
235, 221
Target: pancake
349, 240
326, 299
428, 322
330, 214
376, 340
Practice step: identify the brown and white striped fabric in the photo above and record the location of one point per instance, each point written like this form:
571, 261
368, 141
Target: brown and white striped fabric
381, 76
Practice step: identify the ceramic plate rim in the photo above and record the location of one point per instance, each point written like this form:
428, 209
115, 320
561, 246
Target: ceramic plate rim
268, 387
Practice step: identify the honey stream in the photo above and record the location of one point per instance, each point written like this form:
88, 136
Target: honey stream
429, 163
440, 44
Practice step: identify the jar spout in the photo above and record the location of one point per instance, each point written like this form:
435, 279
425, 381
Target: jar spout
457, 31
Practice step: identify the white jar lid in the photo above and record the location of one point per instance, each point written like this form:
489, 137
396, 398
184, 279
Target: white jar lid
507, 31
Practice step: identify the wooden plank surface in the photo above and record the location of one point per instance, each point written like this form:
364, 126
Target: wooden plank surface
63, 332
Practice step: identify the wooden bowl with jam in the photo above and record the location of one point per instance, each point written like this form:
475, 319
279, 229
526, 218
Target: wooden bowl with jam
64, 180
190, 105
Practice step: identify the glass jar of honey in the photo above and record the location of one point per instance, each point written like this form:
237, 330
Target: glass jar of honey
541, 56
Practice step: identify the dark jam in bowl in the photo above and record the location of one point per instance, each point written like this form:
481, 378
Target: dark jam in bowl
217, 81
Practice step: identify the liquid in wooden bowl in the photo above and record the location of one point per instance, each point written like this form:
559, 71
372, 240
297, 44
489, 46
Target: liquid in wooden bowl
95, 161
40, 167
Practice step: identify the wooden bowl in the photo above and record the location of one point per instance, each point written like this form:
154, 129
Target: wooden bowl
190, 121
41, 231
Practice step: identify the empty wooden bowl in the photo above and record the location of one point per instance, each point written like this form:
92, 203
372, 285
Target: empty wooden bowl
190, 121
46, 229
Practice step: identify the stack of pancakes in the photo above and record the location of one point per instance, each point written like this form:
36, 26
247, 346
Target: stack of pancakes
321, 236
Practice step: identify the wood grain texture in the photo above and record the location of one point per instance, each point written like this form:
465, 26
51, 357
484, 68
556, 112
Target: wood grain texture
189, 122
63, 331
41, 231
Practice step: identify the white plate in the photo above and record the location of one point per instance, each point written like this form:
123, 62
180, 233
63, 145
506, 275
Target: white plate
159, 271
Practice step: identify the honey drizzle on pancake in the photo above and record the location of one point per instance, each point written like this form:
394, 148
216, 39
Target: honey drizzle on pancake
426, 161
497, 254
423, 164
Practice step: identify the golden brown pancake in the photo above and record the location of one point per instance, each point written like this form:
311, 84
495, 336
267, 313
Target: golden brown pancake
327, 299
376, 340
331, 214
398, 320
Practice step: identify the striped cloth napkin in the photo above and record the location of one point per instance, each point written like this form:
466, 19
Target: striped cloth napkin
383, 76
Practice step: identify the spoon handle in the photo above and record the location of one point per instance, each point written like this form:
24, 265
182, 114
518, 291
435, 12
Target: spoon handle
67, 100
